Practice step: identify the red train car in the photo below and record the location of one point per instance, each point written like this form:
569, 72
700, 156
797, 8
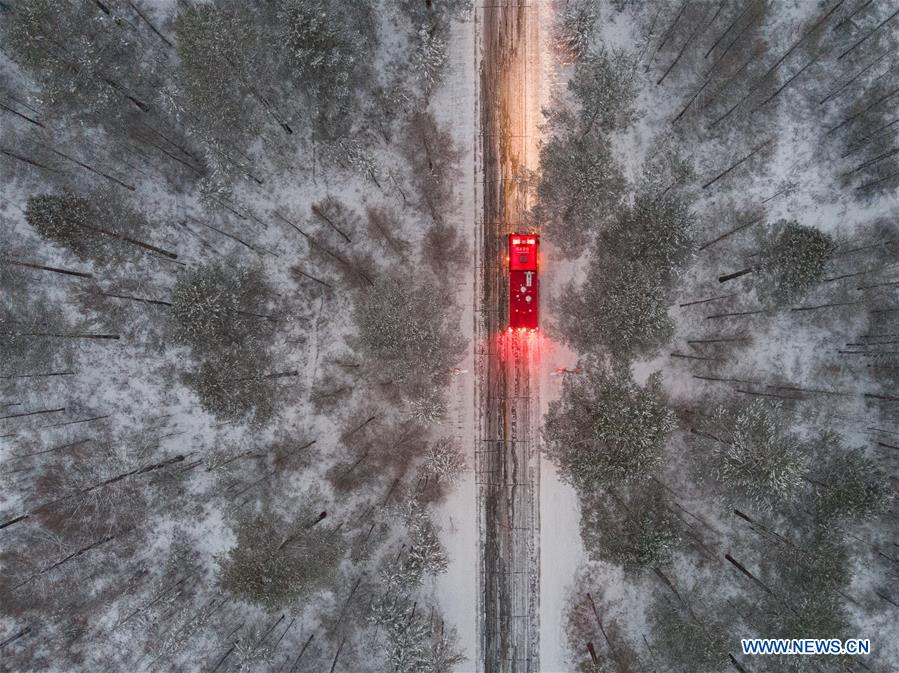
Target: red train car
523, 297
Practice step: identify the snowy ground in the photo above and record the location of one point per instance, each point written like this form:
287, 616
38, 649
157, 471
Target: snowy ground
457, 516
560, 541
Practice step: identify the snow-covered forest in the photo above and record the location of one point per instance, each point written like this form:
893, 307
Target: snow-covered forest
724, 175
226, 334
237, 302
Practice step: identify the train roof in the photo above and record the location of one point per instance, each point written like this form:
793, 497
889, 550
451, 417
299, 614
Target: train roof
523, 252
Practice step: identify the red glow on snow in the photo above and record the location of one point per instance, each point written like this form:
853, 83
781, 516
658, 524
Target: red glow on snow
521, 346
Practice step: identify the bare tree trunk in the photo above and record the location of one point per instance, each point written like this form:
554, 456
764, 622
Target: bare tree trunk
865, 38
333, 255
834, 304
707, 300
89, 489
27, 160
129, 297
723, 380
737, 314
695, 357
871, 162
728, 29
83, 420
727, 82
874, 183
783, 86
32, 413
802, 39
93, 170
670, 28
352, 432
851, 15
13, 638
718, 340
20, 115
296, 662
758, 13
63, 335
843, 87
605, 636
227, 235
41, 267
298, 270
35, 376
222, 660
738, 163
684, 47
736, 564
853, 117
73, 555
319, 213
855, 147
62, 447
690, 102
336, 655
737, 274
151, 26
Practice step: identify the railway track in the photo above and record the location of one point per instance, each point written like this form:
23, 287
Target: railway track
507, 457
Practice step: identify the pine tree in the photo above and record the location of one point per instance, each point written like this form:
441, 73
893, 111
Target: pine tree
415, 642
442, 654
580, 185
656, 231
251, 653
429, 59
219, 307
236, 383
623, 309
98, 226
752, 453
444, 460
793, 260
214, 41
275, 563
426, 553
87, 62
406, 634
433, 158
604, 85
688, 639
622, 304
807, 578
427, 404
403, 325
20, 351
434, 16
327, 49
847, 483
574, 28
606, 430
629, 527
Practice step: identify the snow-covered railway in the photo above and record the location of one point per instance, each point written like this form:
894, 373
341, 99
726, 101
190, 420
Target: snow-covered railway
508, 461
